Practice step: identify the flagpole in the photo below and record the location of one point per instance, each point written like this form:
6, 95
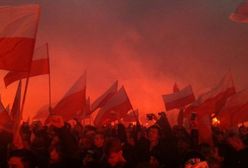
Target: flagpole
49, 82
25, 93
27, 79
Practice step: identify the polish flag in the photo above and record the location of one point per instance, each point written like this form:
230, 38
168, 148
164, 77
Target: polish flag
224, 87
115, 108
235, 110
179, 99
39, 66
17, 36
241, 13
73, 100
216, 98
102, 100
210, 103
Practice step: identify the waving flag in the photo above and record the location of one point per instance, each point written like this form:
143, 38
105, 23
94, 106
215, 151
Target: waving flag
179, 99
241, 13
73, 100
116, 107
39, 66
17, 36
210, 103
235, 110
102, 100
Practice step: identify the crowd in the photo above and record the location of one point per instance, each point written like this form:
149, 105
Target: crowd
58, 144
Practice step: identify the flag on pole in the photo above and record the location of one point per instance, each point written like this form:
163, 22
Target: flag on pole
179, 99
215, 99
17, 36
73, 100
115, 108
235, 110
39, 66
241, 13
210, 103
102, 100
224, 88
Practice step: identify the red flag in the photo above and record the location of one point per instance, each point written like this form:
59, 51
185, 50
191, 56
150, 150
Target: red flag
17, 36
116, 107
39, 66
16, 108
225, 88
102, 100
73, 100
235, 110
179, 99
210, 103
215, 99
241, 13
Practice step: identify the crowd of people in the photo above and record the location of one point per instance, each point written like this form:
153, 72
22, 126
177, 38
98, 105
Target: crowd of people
58, 144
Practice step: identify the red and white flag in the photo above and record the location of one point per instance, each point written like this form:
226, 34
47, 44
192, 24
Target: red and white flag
102, 100
224, 88
73, 100
215, 99
179, 99
17, 36
39, 66
241, 13
235, 110
115, 108
210, 103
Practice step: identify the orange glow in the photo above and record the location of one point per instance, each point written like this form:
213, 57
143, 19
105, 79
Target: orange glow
215, 121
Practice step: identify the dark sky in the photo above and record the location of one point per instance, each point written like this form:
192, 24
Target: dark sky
146, 44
